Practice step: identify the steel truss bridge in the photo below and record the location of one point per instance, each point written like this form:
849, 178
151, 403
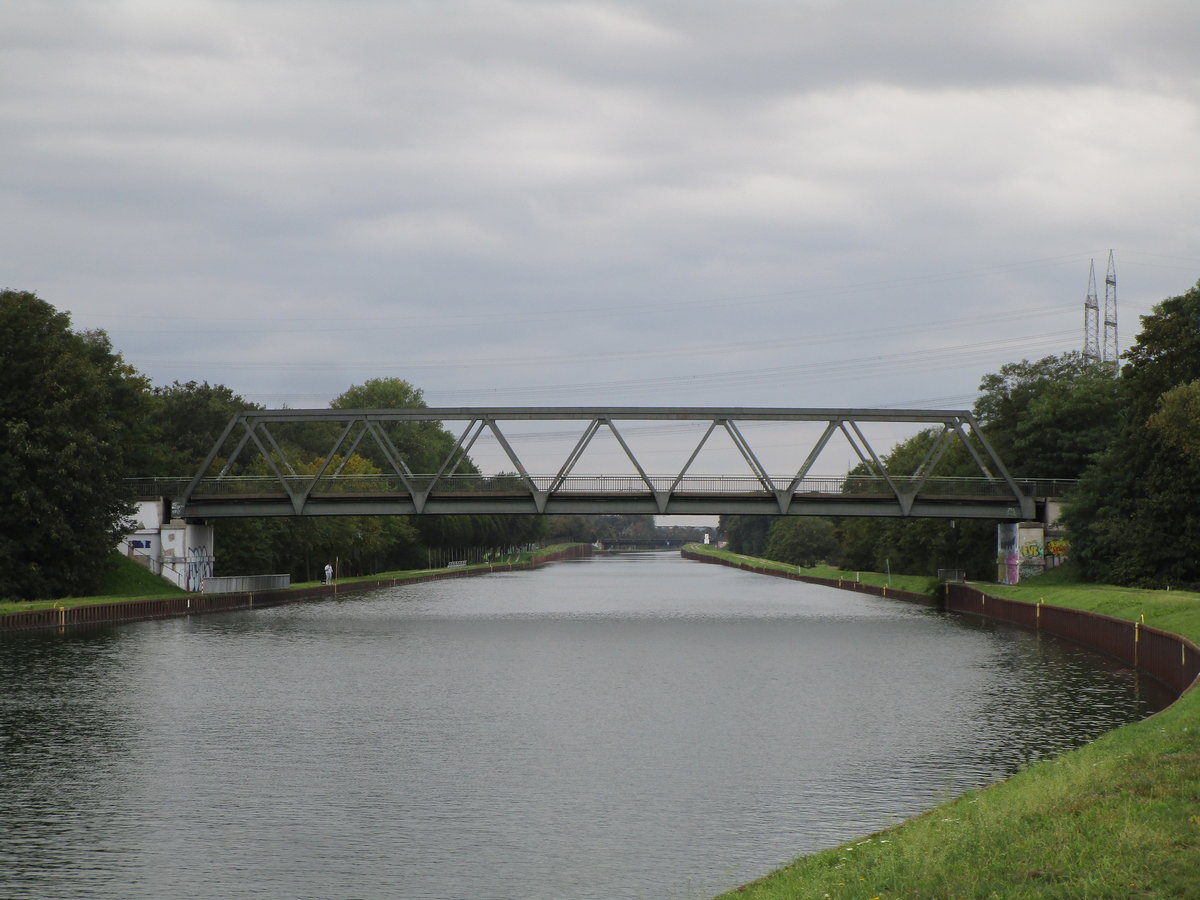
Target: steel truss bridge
255, 441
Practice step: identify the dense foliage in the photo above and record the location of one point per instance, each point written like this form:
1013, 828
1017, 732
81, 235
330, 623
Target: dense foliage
745, 534
1050, 418
1133, 443
76, 420
1135, 517
920, 546
802, 541
186, 420
71, 414
191, 418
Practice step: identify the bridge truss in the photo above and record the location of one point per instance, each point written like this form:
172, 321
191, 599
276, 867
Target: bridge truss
255, 441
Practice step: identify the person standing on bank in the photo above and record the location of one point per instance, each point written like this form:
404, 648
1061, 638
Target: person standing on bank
328, 573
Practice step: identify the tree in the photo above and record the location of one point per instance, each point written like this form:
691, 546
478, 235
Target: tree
184, 421
187, 420
1132, 520
361, 544
802, 541
70, 414
1005, 395
918, 546
422, 445
1177, 421
1065, 428
1049, 418
1166, 355
746, 534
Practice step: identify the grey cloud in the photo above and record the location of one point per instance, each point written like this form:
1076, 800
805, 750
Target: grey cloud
354, 184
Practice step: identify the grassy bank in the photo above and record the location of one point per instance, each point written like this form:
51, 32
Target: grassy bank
918, 584
1117, 818
123, 579
126, 580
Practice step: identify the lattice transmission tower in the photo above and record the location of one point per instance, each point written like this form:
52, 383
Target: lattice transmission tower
1091, 319
1100, 336
1112, 353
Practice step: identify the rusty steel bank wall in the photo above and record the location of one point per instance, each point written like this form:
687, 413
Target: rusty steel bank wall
197, 604
1172, 659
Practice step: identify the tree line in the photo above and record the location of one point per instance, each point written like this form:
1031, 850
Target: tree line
1133, 443
76, 421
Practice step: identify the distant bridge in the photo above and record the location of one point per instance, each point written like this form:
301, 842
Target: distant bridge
256, 440
617, 543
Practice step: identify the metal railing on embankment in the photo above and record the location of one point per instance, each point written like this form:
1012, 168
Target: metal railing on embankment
244, 584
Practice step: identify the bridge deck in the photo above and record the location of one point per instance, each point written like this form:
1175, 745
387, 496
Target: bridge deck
576, 502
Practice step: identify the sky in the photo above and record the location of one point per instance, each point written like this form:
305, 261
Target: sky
816, 203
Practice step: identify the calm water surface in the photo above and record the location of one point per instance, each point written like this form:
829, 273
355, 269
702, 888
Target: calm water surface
628, 727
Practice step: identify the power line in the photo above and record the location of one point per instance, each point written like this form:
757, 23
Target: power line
856, 368
591, 310
813, 373
757, 347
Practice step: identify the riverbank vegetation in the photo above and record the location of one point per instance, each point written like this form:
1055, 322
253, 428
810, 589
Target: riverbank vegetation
121, 579
917, 584
69, 418
76, 421
1132, 443
1119, 817
125, 579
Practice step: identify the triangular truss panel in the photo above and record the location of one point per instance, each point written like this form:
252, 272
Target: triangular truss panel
657, 460
605, 455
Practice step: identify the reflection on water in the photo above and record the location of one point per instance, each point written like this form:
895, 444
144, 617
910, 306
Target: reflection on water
636, 726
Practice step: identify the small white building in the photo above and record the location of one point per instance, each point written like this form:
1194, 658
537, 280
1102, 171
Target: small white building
177, 550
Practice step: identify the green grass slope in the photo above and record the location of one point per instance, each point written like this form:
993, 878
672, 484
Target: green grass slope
1119, 817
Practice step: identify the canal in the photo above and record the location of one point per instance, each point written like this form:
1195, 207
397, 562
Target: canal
636, 726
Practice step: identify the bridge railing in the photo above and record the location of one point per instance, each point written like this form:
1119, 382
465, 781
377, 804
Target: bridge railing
232, 487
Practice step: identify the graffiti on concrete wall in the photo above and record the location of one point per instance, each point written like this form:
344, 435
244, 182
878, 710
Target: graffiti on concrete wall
1021, 551
1008, 560
1057, 551
199, 566
1032, 555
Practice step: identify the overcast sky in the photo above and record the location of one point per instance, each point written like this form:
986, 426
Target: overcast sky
760, 203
